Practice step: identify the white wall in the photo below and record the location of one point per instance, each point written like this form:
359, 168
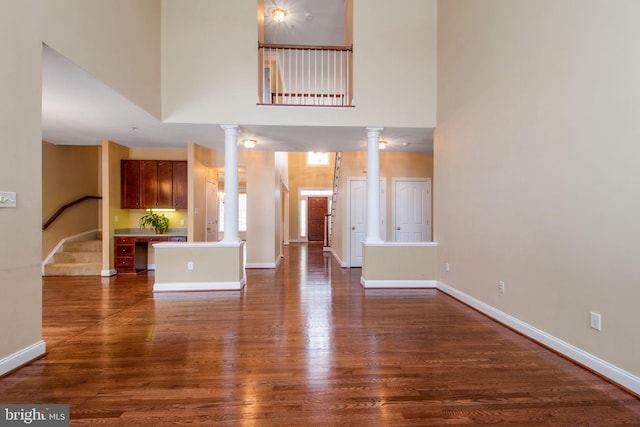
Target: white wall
210, 66
536, 165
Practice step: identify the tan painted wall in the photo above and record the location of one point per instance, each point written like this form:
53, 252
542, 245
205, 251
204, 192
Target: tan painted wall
394, 82
263, 201
281, 185
112, 216
104, 38
386, 262
210, 264
536, 165
303, 176
199, 160
68, 173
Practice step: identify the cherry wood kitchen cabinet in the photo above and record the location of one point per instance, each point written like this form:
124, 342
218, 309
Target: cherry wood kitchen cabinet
153, 184
131, 251
156, 184
180, 185
130, 184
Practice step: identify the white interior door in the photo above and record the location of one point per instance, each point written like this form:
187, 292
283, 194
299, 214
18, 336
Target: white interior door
212, 210
412, 209
357, 220
358, 217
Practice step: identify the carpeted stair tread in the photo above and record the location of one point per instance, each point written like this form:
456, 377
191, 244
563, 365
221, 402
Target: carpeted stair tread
73, 269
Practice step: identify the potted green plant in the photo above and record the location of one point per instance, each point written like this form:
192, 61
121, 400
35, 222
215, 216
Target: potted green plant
154, 220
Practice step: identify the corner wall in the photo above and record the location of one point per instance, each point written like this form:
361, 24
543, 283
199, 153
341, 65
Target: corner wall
536, 178
104, 38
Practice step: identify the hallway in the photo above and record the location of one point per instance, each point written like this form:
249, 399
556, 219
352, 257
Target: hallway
302, 345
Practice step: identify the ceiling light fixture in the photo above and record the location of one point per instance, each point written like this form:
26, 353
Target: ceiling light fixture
382, 145
249, 143
278, 15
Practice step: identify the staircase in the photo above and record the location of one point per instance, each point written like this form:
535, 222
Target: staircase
334, 196
82, 258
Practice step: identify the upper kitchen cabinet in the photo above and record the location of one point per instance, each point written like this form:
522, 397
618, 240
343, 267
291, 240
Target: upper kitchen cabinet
180, 185
130, 184
156, 184
153, 184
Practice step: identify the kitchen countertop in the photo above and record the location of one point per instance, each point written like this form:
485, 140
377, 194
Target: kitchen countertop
125, 232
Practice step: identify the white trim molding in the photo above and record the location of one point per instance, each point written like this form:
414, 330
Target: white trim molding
613, 373
264, 264
398, 284
199, 286
342, 263
108, 273
22, 357
397, 244
260, 265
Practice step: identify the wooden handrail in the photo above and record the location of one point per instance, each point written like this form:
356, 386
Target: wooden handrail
303, 47
62, 209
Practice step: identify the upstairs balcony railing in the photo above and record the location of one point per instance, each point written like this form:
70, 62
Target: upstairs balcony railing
305, 75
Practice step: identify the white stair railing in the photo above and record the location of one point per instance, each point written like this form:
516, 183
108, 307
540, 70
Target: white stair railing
305, 75
334, 195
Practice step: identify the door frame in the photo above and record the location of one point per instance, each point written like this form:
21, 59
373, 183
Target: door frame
211, 182
327, 200
383, 214
305, 197
394, 182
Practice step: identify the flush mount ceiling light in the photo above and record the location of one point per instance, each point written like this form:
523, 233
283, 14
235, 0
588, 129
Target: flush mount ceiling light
382, 145
249, 143
278, 14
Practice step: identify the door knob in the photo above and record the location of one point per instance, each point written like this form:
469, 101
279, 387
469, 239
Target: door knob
353, 228
398, 228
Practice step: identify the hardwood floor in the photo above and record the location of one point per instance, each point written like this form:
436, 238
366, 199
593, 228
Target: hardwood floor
302, 345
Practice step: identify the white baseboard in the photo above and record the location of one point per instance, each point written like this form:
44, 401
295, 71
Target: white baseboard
613, 373
22, 357
341, 262
108, 273
199, 286
398, 284
264, 264
260, 265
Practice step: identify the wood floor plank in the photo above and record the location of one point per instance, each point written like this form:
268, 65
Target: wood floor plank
302, 345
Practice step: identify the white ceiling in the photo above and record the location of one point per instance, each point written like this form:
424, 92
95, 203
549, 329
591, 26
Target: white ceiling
78, 109
308, 22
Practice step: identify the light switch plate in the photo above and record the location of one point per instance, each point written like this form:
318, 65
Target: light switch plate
7, 199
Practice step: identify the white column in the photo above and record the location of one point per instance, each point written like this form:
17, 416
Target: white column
373, 185
230, 183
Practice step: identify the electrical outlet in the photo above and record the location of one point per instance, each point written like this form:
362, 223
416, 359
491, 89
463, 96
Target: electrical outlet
501, 287
595, 320
189, 265
182, 222
446, 267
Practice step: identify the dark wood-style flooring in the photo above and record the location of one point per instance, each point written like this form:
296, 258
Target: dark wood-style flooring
302, 345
